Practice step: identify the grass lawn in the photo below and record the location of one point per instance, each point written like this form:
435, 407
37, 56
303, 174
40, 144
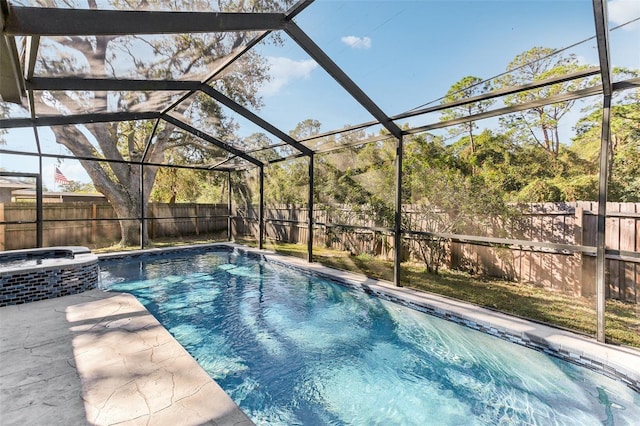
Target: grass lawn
538, 304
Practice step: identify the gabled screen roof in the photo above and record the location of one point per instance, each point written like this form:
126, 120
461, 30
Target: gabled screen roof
246, 80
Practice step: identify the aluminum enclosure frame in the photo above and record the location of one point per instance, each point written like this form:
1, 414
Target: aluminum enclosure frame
18, 86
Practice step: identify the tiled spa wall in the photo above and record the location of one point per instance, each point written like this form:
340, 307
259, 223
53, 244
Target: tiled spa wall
60, 277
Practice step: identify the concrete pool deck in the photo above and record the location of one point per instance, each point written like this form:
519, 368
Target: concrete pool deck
101, 358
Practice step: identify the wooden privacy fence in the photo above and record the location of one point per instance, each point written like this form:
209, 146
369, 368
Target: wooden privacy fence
96, 225
357, 231
289, 223
340, 227
566, 271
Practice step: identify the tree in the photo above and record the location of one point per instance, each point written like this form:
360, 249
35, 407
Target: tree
287, 181
177, 185
539, 191
445, 199
539, 125
257, 145
466, 88
306, 129
624, 143
166, 57
497, 160
75, 186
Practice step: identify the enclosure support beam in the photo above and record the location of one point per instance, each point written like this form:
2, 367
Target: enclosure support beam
147, 145
313, 50
62, 120
33, 44
602, 222
110, 160
229, 236
39, 201
310, 208
220, 144
510, 90
22, 20
143, 213
397, 225
563, 97
39, 210
602, 35
254, 118
109, 84
11, 82
261, 210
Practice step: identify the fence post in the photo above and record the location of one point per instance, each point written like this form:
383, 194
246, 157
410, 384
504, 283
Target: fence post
197, 219
261, 209
293, 227
578, 229
151, 221
94, 223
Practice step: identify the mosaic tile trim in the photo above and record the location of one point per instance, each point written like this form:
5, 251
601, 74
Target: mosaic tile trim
47, 283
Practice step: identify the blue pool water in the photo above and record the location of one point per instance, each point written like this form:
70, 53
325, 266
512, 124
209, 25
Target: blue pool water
290, 349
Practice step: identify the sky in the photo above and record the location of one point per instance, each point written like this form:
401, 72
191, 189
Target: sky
403, 54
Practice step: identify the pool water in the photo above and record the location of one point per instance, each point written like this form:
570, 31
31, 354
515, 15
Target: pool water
22, 263
291, 348
19, 259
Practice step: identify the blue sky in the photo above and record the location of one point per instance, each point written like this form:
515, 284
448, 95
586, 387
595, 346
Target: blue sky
404, 54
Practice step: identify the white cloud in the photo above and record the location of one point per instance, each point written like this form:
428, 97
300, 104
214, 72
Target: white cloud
283, 70
357, 42
621, 11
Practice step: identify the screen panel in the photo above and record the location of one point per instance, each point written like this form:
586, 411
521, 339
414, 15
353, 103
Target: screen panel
392, 50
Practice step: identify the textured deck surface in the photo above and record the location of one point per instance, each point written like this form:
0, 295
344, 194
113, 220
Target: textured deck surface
101, 359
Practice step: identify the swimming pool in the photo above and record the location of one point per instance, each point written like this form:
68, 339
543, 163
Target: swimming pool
292, 348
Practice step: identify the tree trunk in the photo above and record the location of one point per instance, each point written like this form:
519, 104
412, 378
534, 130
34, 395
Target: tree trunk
473, 144
127, 206
556, 146
130, 232
613, 145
